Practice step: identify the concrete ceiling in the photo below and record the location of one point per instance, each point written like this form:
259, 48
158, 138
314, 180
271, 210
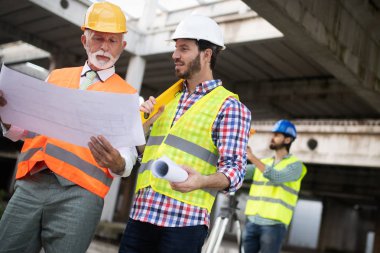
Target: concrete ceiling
275, 78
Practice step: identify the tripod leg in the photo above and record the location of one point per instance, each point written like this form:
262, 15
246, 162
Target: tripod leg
239, 236
213, 235
220, 235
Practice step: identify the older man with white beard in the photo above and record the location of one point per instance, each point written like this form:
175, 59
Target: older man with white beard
60, 187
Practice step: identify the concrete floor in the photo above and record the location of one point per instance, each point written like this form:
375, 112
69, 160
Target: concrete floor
98, 246
102, 247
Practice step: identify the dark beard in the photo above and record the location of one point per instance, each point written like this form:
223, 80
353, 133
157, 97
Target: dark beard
273, 146
194, 67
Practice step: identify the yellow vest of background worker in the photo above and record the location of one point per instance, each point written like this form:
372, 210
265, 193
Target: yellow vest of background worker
274, 201
187, 142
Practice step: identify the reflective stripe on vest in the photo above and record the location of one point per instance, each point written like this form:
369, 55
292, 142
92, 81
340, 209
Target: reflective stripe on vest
277, 201
77, 162
24, 156
192, 148
155, 140
71, 159
188, 142
286, 188
274, 201
186, 146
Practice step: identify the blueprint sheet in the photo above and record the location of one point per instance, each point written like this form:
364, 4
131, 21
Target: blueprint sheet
68, 114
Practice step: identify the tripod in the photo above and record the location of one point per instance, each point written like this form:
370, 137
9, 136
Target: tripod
227, 217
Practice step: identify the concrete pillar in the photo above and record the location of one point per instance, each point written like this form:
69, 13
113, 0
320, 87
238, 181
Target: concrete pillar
126, 197
322, 242
135, 72
110, 200
148, 15
54, 62
134, 76
136, 67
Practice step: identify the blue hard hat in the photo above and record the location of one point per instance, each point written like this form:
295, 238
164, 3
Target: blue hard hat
285, 127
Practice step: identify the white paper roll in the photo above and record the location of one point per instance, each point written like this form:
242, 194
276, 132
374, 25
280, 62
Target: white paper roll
167, 169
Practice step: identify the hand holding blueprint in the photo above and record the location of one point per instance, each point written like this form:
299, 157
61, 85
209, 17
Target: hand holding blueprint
166, 169
68, 114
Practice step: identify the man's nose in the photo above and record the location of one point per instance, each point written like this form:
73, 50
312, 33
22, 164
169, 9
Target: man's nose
105, 46
175, 55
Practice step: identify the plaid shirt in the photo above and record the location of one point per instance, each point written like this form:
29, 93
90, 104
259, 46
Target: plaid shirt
230, 135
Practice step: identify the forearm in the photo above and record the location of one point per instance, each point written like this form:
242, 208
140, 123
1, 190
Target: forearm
233, 170
290, 173
217, 181
231, 136
256, 161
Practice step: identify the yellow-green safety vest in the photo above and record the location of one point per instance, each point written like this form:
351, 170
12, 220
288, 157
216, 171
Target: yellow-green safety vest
275, 201
188, 142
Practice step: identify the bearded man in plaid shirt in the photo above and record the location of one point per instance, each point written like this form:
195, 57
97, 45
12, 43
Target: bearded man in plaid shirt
205, 130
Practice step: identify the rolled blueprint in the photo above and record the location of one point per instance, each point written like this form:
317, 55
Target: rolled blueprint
166, 169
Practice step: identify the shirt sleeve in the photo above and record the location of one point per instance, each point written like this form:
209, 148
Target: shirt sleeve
14, 133
290, 173
230, 135
130, 155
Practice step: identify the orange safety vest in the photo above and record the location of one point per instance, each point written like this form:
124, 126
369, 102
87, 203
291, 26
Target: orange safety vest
75, 163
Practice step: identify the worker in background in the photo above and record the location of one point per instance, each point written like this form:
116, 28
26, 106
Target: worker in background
58, 198
274, 192
205, 131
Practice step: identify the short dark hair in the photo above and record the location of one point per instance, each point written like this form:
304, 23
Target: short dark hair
204, 44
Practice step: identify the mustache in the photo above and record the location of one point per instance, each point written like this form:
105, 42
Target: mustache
103, 53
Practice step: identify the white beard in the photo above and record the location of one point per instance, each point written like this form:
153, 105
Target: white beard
101, 64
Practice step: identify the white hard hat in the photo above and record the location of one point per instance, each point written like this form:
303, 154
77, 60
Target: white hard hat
200, 28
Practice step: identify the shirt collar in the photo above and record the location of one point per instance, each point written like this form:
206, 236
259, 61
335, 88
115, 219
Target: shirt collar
285, 156
205, 86
103, 74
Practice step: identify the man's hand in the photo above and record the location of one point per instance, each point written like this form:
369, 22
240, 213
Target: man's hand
196, 180
250, 155
254, 160
148, 107
106, 155
3, 102
2, 99
193, 182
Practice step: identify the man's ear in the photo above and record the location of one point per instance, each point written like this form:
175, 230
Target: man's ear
208, 53
83, 39
288, 140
